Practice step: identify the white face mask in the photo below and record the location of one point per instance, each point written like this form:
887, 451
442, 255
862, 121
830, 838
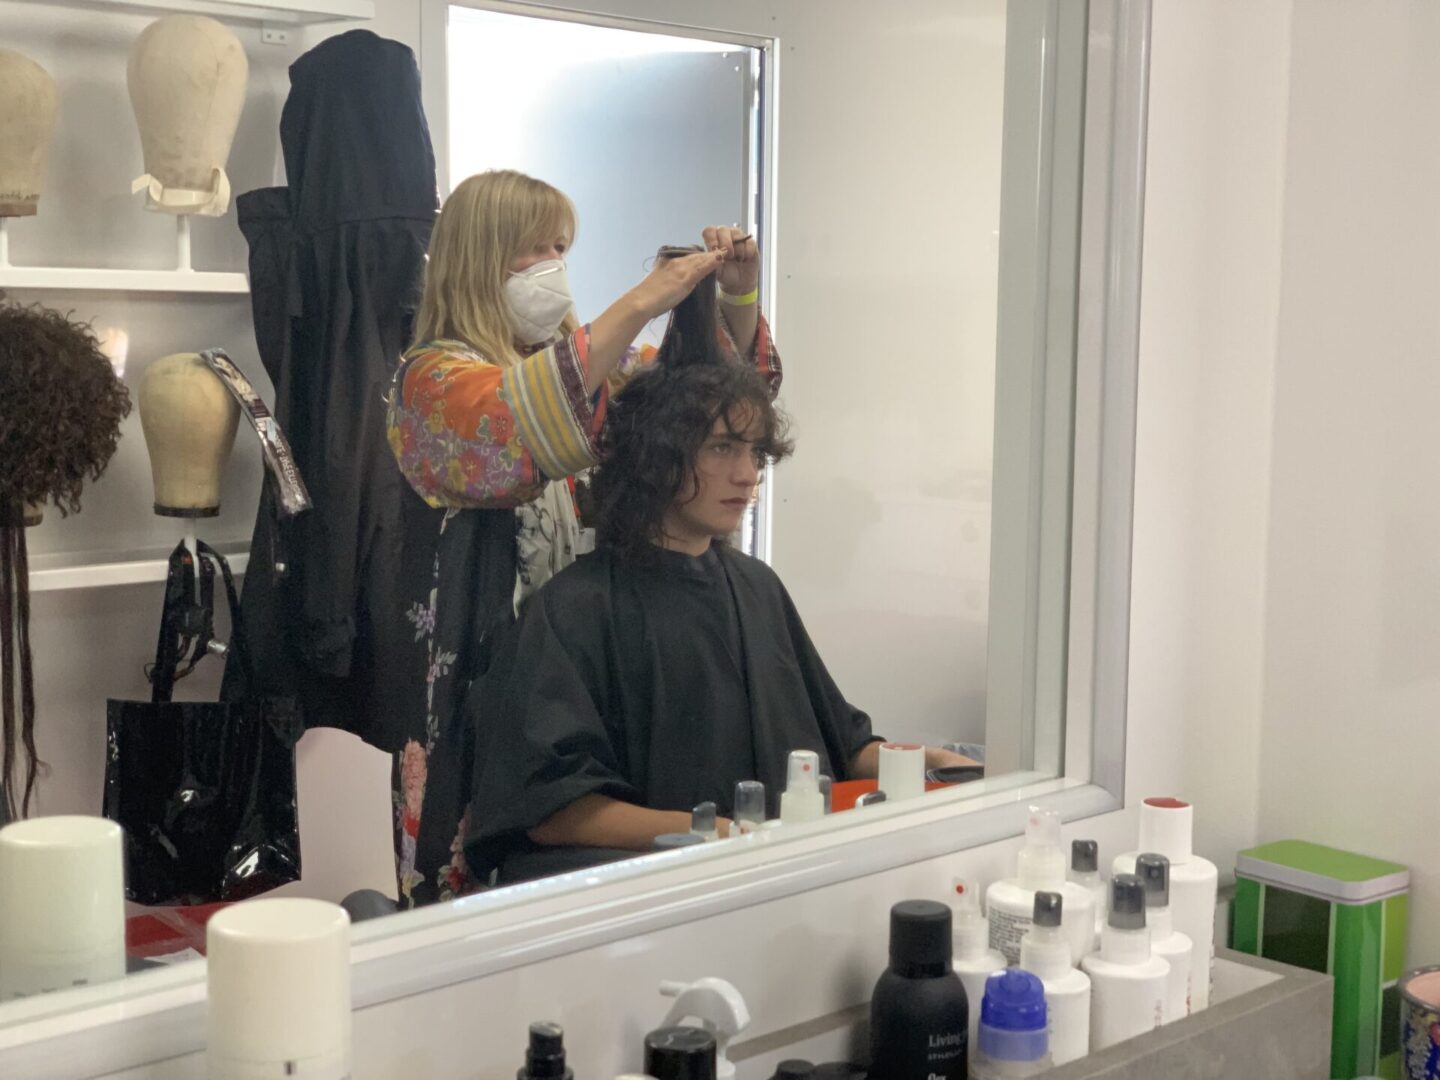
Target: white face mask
539, 297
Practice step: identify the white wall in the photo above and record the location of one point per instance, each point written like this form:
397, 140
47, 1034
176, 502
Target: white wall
1353, 629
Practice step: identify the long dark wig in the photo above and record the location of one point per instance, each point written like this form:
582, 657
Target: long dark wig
658, 423
60, 411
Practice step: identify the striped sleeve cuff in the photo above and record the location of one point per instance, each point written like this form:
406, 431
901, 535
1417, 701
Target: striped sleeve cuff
554, 417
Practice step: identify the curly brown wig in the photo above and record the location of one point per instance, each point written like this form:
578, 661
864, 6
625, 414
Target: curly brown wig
60, 412
657, 424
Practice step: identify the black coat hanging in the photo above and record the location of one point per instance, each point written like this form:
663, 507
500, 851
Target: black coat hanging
336, 268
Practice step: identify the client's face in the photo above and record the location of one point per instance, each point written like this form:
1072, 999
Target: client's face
727, 471
545, 249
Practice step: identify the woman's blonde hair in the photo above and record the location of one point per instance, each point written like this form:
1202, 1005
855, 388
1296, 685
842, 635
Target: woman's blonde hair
488, 220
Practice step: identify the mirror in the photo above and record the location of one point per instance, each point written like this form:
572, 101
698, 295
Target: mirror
908, 170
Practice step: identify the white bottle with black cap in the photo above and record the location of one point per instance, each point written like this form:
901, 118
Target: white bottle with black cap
1085, 872
1127, 981
1167, 826
1039, 866
1045, 953
1165, 941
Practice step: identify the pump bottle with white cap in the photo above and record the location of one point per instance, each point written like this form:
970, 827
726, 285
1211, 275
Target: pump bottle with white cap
1165, 940
1127, 982
1045, 953
802, 800
974, 961
713, 1005
1167, 827
1040, 866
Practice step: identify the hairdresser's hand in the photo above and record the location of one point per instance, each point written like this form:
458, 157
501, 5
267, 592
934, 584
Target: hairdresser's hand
741, 272
672, 280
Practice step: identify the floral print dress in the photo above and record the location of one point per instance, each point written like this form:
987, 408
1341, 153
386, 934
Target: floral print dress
489, 519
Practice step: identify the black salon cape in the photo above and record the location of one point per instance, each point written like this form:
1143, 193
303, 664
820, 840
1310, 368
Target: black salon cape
336, 271
612, 687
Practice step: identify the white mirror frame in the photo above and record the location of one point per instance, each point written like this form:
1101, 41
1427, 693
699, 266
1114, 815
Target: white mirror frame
158, 1016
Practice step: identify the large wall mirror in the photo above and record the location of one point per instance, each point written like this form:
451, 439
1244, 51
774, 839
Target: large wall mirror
946, 198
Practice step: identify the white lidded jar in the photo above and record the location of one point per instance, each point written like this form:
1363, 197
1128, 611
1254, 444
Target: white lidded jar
1045, 953
62, 904
1085, 872
1040, 866
1127, 981
278, 984
1175, 948
974, 960
1167, 827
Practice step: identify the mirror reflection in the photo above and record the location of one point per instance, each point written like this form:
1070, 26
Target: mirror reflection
635, 496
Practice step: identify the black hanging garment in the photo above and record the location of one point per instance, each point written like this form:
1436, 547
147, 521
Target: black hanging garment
336, 265
204, 790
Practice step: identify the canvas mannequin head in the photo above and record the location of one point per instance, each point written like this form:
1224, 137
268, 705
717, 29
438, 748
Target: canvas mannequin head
187, 76
27, 121
189, 419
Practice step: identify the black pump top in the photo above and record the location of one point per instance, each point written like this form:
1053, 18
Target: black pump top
920, 941
1048, 908
1154, 871
545, 1059
680, 1053
1084, 856
794, 1069
1127, 902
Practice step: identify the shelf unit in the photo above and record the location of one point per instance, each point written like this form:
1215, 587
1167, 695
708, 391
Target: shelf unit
50, 278
264, 12
106, 575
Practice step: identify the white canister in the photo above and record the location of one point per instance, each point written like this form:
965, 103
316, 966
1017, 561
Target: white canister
902, 770
278, 975
62, 904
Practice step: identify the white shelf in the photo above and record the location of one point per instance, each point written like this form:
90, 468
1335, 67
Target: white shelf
265, 12
106, 575
164, 281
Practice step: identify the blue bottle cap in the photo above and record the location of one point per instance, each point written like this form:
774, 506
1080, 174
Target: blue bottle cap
1012, 1017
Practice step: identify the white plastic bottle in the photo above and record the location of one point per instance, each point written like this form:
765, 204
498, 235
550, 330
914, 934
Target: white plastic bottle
974, 960
1165, 941
1127, 982
1045, 953
1167, 827
802, 801
1085, 871
1040, 866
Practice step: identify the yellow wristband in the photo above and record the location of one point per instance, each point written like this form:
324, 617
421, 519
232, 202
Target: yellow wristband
744, 300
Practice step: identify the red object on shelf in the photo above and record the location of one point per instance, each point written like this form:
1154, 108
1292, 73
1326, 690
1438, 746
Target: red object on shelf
845, 793
161, 931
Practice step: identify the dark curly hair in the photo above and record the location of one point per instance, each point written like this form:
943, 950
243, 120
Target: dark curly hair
60, 411
653, 436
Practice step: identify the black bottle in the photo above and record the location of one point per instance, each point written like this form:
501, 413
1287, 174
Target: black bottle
919, 1018
680, 1053
545, 1059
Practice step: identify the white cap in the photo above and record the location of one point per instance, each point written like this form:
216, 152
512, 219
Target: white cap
1041, 863
970, 929
279, 990
62, 904
802, 772
1167, 827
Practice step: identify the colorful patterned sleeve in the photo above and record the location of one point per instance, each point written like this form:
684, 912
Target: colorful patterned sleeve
468, 433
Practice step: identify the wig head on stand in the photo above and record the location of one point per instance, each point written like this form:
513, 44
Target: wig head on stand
60, 411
